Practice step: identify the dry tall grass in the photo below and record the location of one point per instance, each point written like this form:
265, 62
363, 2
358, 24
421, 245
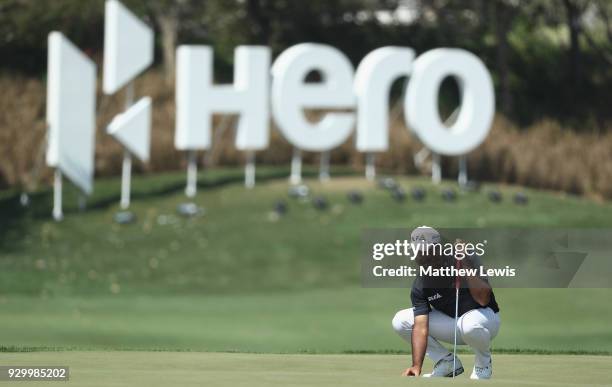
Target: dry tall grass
545, 155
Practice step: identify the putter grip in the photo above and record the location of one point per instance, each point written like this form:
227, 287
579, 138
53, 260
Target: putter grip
457, 278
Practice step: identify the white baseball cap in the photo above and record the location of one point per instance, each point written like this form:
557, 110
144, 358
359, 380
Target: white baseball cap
425, 235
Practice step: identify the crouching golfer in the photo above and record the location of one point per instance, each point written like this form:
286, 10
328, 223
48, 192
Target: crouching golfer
431, 319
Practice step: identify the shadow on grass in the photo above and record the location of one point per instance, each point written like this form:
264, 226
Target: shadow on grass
15, 218
505, 351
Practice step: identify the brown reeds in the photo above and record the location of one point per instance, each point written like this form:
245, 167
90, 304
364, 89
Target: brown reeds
544, 155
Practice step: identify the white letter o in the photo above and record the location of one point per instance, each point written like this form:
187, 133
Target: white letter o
477, 101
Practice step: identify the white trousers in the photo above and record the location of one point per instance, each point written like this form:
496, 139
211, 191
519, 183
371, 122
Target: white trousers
476, 328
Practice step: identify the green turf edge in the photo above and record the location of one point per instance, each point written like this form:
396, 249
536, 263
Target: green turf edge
510, 351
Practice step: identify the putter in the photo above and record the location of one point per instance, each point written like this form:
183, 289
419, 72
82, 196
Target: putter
457, 284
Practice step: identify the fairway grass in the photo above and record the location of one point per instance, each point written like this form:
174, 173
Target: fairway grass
254, 370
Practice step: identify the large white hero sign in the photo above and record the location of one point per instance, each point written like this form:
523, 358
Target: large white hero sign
291, 95
71, 102
197, 98
341, 88
477, 101
128, 46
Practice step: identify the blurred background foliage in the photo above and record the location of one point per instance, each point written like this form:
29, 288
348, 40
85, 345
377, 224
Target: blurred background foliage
550, 59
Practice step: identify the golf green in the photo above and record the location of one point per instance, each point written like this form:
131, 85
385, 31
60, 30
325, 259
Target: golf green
342, 320
232, 369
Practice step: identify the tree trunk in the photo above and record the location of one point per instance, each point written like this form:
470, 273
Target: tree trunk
168, 25
573, 24
603, 13
503, 20
260, 25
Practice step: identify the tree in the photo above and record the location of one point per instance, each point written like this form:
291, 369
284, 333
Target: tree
258, 16
168, 16
503, 14
574, 10
25, 25
599, 37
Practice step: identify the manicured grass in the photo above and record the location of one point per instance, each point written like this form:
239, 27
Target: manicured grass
240, 278
214, 369
239, 245
316, 321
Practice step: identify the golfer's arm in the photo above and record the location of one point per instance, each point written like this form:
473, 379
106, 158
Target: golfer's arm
480, 290
420, 330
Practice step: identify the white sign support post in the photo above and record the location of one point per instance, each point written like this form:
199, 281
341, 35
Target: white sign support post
324, 166
296, 167
191, 188
58, 213
249, 170
462, 177
370, 167
189, 208
436, 169
126, 176
126, 167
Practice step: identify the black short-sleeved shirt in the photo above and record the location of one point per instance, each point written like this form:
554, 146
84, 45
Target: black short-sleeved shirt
441, 296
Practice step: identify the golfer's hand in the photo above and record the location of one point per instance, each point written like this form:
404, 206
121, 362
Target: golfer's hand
465, 262
412, 371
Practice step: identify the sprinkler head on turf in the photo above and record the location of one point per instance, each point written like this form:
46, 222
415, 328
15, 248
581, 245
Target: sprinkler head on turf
418, 194
449, 195
521, 198
495, 196
387, 183
320, 203
471, 186
398, 194
355, 197
189, 210
280, 207
124, 217
299, 191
